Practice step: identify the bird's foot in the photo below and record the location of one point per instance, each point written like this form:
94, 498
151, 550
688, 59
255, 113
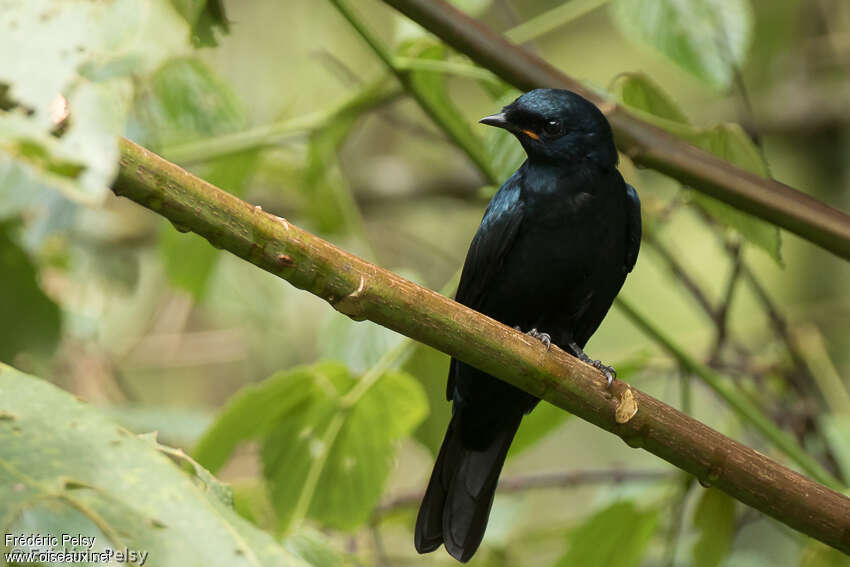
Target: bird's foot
608, 371
544, 338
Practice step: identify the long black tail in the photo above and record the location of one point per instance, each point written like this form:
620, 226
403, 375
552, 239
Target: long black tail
457, 502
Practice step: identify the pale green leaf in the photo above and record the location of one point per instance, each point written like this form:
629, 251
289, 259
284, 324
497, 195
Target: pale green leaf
321, 459
836, 428
727, 141
252, 411
331, 462
714, 521
312, 547
614, 537
817, 554
63, 465
86, 52
707, 38
542, 420
359, 344
184, 101
637, 90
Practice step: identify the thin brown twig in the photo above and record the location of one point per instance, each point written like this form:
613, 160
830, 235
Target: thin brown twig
680, 273
721, 319
561, 479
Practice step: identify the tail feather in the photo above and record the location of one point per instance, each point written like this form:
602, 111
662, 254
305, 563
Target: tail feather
459, 496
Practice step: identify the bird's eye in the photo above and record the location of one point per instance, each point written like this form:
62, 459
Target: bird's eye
552, 127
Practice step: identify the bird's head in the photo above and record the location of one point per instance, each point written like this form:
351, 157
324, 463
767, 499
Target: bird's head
558, 126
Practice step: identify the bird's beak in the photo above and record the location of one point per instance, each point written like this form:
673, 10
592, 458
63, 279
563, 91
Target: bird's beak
497, 120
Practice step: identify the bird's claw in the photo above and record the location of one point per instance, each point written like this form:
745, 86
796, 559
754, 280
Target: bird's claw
544, 338
608, 371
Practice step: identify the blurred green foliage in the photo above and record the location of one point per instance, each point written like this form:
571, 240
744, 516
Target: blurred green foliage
320, 423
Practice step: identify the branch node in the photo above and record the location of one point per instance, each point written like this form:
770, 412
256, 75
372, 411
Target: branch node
283, 221
350, 304
284, 260
627, 406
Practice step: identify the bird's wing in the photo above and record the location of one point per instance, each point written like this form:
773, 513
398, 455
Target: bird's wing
491, 244
634, 228
489, 248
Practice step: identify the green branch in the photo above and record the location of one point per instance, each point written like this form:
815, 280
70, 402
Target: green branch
364, 291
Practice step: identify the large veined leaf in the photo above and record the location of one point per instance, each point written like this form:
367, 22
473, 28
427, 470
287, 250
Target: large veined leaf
707, 38
360, 345
326, 452
727, 141
714, 520
77, 57
64, 466
617, 536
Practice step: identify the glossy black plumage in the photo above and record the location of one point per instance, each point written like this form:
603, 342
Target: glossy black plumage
552, 252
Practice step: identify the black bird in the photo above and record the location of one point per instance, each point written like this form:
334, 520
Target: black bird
552, 252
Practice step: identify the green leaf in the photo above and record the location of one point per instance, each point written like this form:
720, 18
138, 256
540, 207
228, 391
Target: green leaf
637, 90
614, 537
330, 462
358, 344
176, 425
204, 16
430, 368
544, 419
714, 521
87, 53
312, 547
707, 38
322, 457
32, 319
817, 554
730, 142
185, 101
252, 411
64, 464
727, 141
188, 260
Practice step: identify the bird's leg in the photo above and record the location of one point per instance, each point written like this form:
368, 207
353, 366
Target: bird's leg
535, 334
608, 371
